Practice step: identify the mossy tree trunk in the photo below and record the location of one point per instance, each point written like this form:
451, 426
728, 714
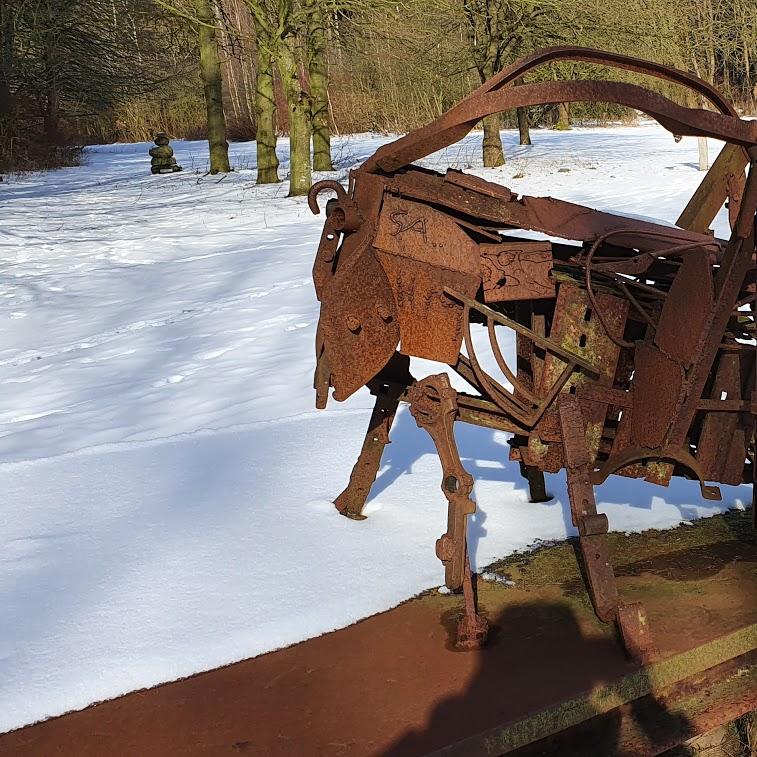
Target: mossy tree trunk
563, 117
521, 114
298, 104
523, 126
484, 44
212, 80
493, 154
319, 97
265, 109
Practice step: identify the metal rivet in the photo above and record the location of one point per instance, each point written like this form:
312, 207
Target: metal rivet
353, 324
384, 313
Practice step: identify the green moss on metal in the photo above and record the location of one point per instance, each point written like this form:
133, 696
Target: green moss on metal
658, 472
593, 437
537, 448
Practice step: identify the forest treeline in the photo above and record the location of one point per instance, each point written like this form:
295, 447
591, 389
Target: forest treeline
75, 72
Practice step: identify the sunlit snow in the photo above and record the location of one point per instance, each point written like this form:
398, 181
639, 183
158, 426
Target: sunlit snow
165, 476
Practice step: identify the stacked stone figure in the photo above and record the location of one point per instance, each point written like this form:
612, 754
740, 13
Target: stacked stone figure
163, 160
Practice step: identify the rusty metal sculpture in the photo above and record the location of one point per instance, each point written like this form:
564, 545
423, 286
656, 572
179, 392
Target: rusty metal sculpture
635, 351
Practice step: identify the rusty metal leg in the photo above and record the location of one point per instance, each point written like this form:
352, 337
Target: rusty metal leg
433, 404
472, 628
537, 490
592, 537
352, 500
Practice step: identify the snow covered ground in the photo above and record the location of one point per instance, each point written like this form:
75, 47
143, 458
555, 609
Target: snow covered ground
166, 480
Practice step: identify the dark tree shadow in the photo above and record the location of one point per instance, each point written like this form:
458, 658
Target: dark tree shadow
536, 657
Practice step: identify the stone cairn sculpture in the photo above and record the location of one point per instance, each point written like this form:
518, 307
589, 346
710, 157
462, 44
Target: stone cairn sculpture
163, 160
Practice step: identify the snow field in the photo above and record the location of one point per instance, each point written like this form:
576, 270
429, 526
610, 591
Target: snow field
166, 479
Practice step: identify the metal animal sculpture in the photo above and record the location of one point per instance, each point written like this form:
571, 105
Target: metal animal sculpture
635, 351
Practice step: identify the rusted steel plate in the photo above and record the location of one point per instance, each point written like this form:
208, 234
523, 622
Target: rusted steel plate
723, 440
346, 232
576, 327
422, 251
654, 471
657, 386
416, 231
736, 263
438, 333
543, 214
358, 323
517, 271
692, 295
325, 261
477, 184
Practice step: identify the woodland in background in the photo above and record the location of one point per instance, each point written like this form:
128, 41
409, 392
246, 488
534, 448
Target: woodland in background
76, 72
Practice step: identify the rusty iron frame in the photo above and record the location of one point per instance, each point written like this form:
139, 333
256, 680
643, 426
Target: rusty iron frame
706, 686
630, 339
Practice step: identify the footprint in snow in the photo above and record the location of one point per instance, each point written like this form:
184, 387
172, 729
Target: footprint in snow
298, 326
15, 316
212, 354
175, 379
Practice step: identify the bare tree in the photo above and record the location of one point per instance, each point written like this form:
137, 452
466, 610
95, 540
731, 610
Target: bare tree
281, 25
265, 103
318, 75
498, 31
212, 82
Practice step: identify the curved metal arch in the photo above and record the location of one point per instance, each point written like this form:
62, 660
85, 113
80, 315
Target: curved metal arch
676, 118
614, 60
454, 125
637, 454
459, 120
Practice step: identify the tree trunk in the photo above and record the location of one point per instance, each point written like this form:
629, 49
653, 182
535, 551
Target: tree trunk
563, 117
265, 114
6, 72
318, 74
298, 104
49, 89
51, 118
212, 80
704, 160
523, 127
493, 154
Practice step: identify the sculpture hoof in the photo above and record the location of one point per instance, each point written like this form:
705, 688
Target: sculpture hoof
637, 635
471, 632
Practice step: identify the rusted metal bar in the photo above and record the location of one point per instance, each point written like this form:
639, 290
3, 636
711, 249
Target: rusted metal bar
724, 181
433, 404
352, 500
700, 688
453, 126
